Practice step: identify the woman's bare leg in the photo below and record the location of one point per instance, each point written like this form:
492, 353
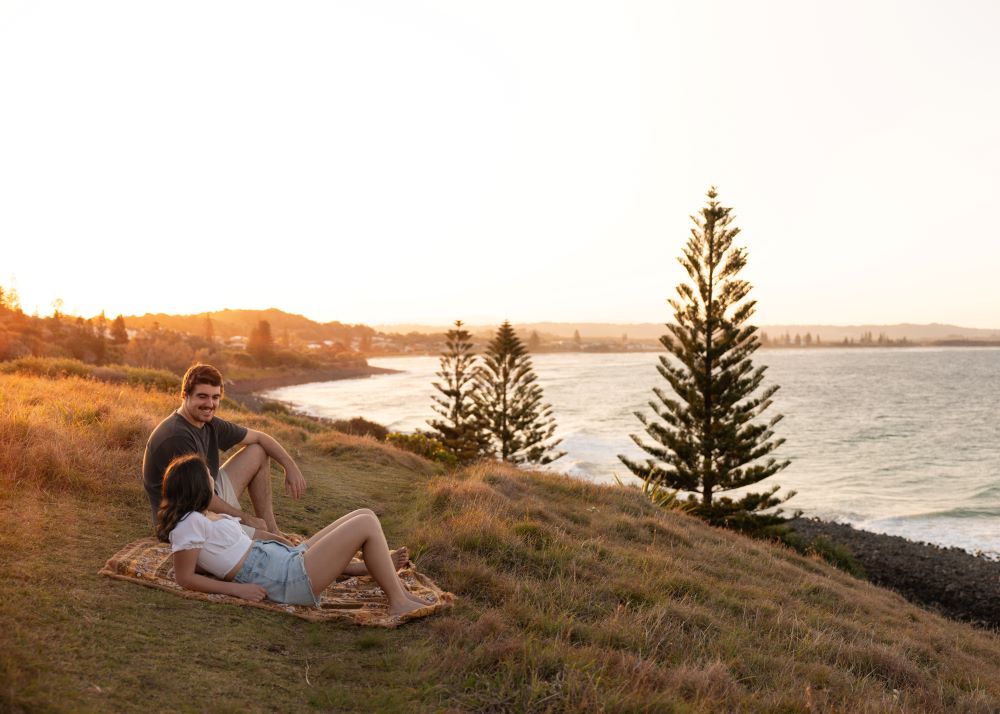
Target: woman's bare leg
318, 535
400, 556
327, 557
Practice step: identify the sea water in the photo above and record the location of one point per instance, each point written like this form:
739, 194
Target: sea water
899, 441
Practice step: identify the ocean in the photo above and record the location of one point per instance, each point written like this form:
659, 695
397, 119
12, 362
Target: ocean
898, 441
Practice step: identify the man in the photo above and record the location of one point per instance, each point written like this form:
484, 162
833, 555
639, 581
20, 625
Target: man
194, 428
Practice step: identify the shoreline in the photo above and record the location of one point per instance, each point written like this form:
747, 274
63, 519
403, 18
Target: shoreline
248, 391
950, 581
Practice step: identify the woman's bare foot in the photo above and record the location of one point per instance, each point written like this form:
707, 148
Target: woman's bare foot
400, 557
419, 600
404, 606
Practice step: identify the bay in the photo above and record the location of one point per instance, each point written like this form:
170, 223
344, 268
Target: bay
899, 441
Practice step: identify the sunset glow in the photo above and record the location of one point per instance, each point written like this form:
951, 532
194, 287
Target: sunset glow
422, 162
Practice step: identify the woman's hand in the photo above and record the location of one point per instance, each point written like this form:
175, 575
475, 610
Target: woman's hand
251, 591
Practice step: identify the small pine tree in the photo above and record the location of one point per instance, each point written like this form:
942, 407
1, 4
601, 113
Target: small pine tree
509, 405
706, 440
119, 335
261, 343
458, 429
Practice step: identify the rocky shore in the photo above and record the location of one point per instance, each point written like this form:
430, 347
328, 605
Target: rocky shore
949, 580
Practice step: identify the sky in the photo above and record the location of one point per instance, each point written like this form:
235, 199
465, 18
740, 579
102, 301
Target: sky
423, 162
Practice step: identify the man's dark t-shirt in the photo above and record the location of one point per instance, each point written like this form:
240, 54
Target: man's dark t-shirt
175, 436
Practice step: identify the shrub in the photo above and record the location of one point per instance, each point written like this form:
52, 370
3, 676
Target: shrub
47, 367
359, 426
272, 407
58, 367
835, 554
423, 445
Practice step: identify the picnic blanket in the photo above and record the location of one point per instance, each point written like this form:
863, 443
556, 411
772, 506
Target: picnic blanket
356, 599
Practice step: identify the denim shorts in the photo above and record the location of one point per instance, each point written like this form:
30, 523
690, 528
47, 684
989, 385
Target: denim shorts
280, 569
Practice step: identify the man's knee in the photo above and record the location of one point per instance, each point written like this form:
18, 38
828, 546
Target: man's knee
249, 460
255, 452
244, 466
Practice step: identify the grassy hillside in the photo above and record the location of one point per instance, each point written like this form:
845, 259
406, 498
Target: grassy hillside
572, 597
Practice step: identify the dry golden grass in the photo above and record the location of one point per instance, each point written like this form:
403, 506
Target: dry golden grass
587, 597
573, 597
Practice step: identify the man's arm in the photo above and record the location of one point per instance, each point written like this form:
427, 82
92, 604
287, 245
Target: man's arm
261, 534
217, 505
295, 482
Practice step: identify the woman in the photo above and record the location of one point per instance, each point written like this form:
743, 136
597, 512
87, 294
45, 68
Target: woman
208, 542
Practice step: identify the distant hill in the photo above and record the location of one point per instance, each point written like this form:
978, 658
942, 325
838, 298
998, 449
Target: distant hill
232, 323
651, 330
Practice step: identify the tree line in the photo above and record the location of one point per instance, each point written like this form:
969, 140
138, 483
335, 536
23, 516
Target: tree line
101, 341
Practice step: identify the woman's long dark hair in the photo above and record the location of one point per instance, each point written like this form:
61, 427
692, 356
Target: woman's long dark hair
185, 488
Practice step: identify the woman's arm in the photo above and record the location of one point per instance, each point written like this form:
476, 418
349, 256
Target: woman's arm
185, 562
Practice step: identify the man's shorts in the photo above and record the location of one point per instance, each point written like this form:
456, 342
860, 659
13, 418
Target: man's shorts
224, 490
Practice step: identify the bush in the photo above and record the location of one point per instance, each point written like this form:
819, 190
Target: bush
837, 555
422, 445
359, 426
58, 367
51, 367
272, 407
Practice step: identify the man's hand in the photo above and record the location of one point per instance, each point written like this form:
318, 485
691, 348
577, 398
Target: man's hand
295, 482
253, 522
251, 591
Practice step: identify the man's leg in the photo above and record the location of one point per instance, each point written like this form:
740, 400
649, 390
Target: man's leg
249, 469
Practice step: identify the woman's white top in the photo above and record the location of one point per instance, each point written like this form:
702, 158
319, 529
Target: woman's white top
223, 543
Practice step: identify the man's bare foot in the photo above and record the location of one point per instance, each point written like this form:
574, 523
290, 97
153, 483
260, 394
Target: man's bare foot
400, 557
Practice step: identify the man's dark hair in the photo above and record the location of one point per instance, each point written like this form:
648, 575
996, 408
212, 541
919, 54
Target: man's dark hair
185, 489
200, 374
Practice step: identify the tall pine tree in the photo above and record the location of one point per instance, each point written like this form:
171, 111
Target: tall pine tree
458, 428
509, 404
706, 439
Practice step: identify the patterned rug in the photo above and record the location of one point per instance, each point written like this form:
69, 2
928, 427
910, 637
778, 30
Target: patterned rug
356, 599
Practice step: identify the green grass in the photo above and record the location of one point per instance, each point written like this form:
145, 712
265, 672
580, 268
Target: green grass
572, 597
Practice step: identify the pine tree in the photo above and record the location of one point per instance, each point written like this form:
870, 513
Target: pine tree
706, 439
509, 404
261, 343
209, 330
119, 335
458, 430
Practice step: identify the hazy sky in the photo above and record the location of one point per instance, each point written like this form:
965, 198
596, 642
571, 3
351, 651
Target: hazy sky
427, 161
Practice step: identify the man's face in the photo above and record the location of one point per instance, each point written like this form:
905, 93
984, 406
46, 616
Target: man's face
199, 406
